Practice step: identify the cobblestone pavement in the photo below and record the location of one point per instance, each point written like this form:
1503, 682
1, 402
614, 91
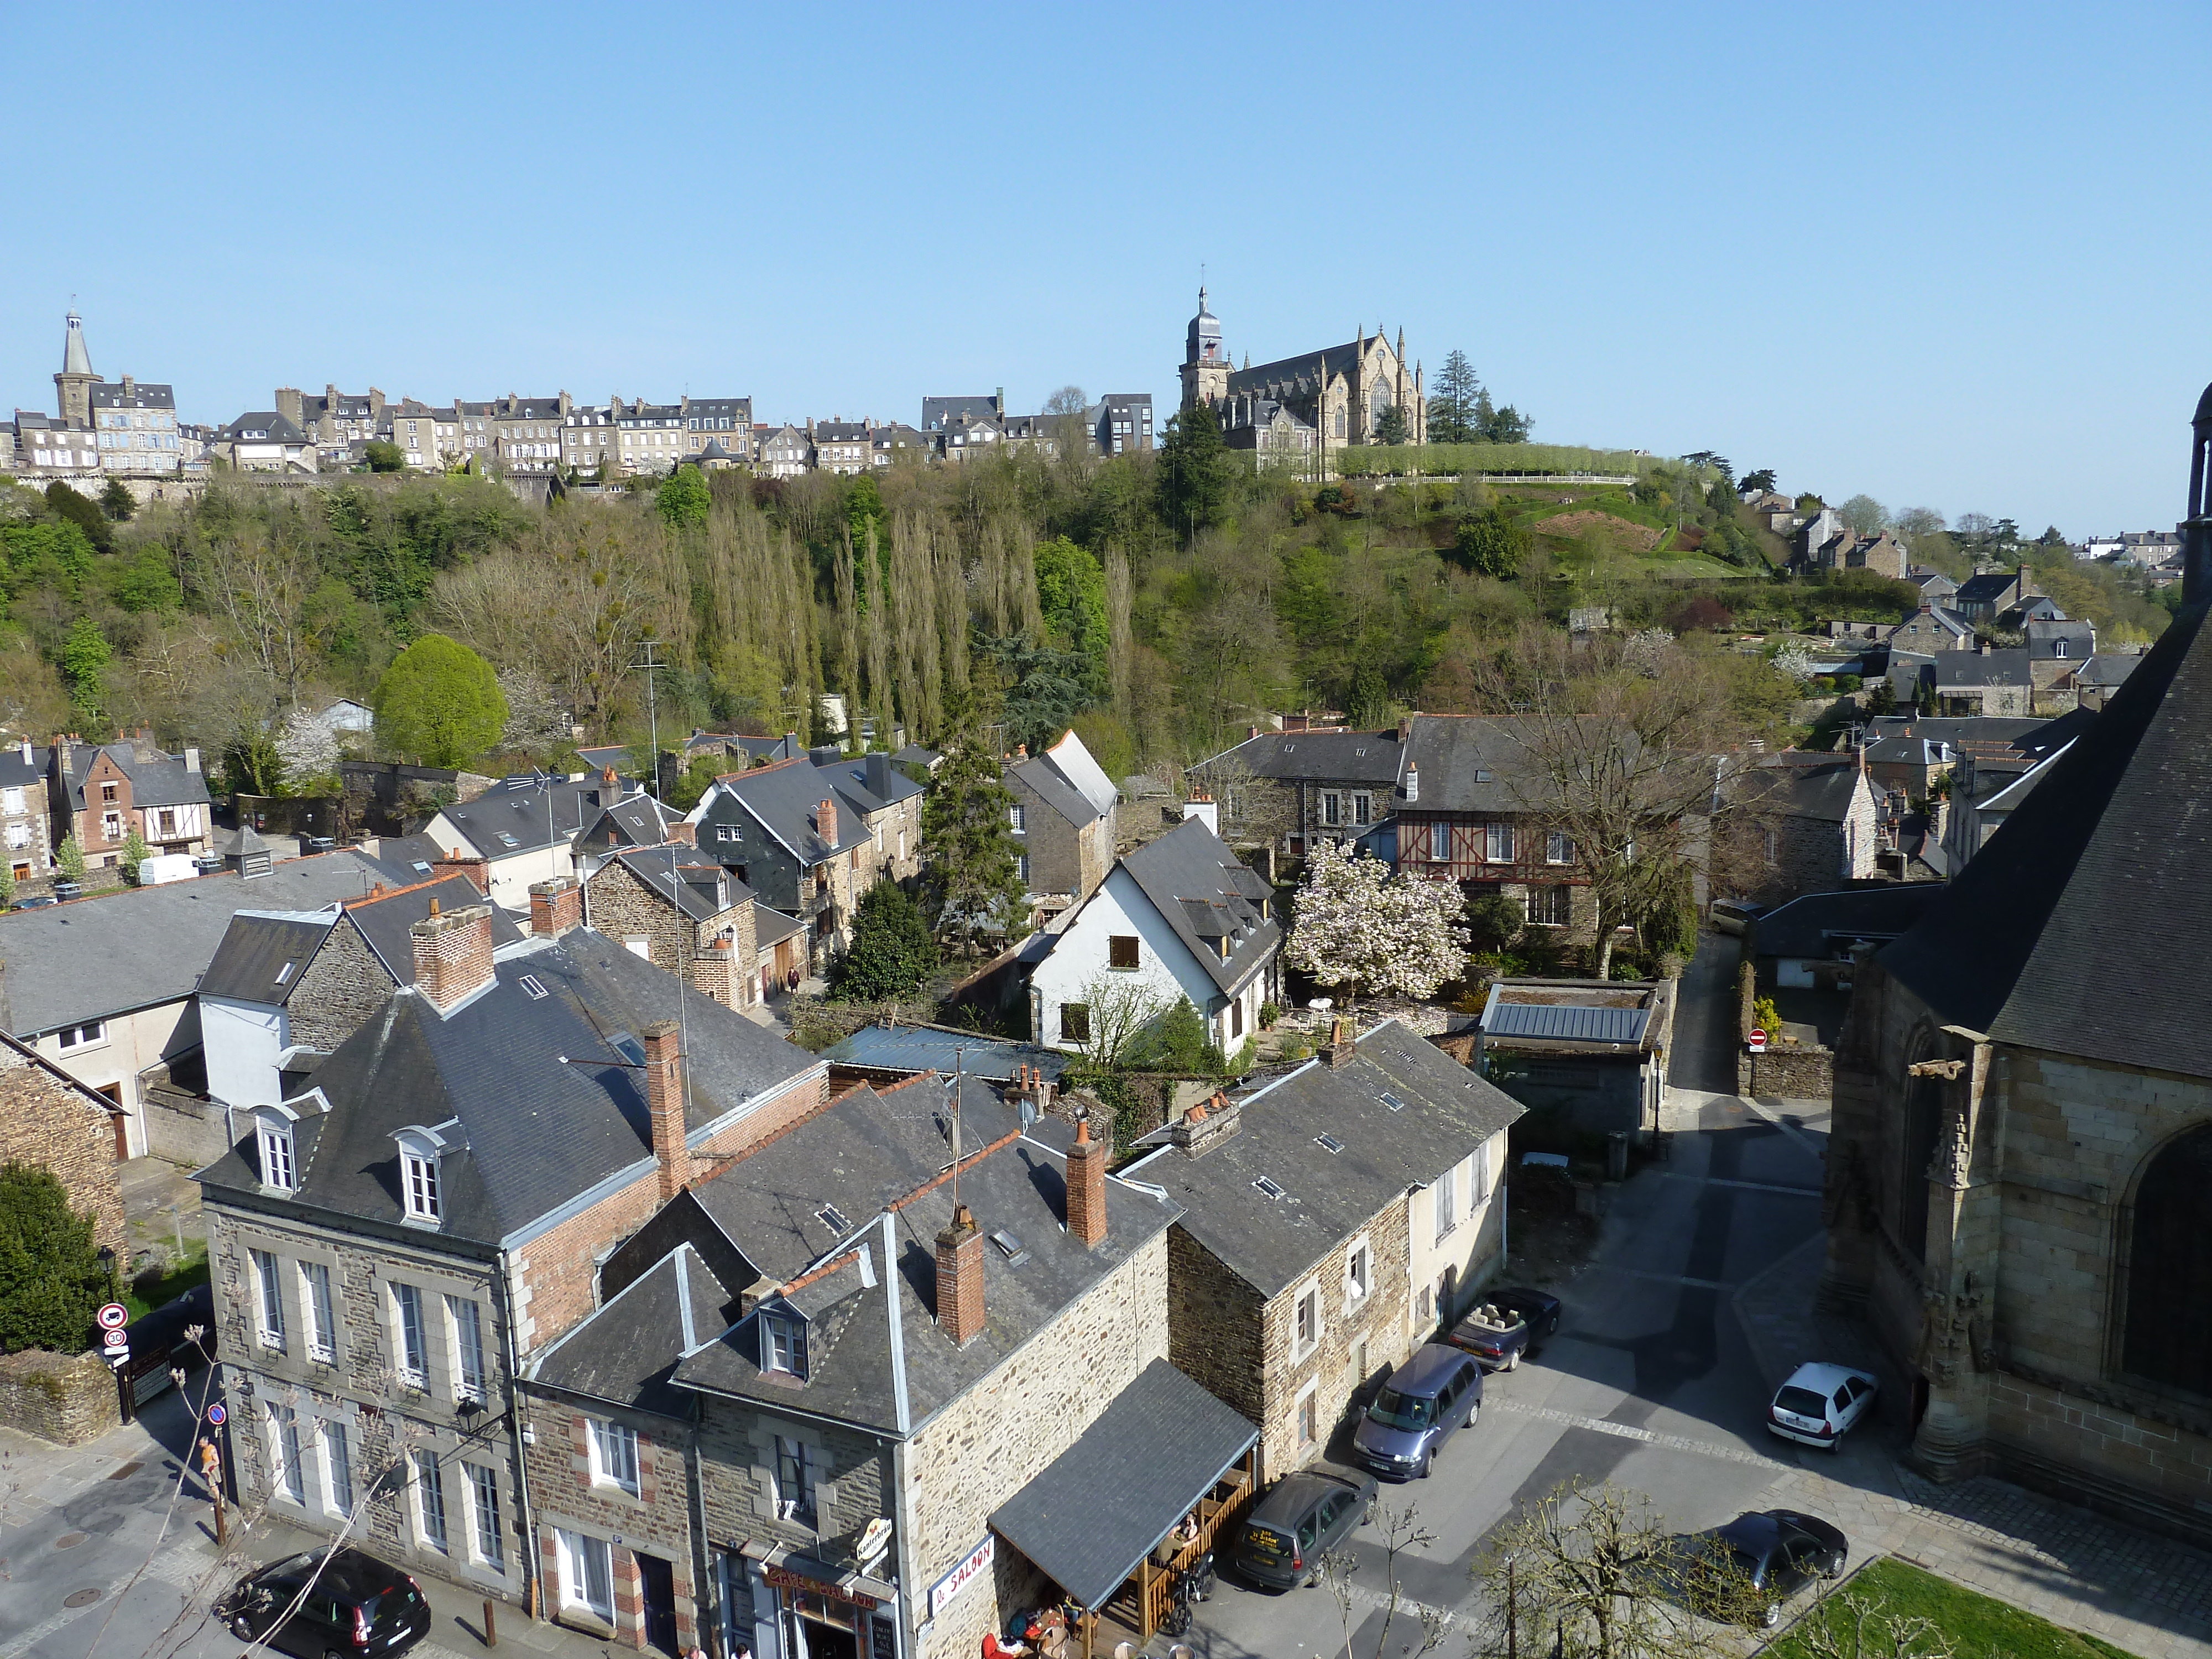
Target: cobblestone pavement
2150, 1596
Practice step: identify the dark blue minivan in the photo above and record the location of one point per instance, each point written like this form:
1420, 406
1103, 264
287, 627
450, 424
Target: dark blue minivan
1432, 1393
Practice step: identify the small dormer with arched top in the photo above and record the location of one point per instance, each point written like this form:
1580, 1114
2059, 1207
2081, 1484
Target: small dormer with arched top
425, 1154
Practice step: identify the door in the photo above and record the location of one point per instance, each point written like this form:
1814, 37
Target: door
122, 1121
658, 1584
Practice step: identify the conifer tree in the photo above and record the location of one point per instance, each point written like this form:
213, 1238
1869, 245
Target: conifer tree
971, 885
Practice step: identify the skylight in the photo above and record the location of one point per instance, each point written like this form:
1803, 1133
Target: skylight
421, 868
1010, 1246
285, 972
530, 986
627, 1047
508, 839
1393, 1102
1264, 1185
1329, 1143
833, 1218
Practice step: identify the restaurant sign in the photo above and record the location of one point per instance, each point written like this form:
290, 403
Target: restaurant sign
785, 1578
969, 1568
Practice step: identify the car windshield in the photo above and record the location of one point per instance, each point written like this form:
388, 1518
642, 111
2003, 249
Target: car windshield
1803, 1402
1398, 1411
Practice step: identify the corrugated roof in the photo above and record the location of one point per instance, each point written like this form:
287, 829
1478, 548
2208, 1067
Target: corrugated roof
1565, 1022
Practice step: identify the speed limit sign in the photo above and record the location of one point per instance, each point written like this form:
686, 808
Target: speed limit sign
114, 1316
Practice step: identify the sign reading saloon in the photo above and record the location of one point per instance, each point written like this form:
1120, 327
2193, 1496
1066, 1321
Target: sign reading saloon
971, 1567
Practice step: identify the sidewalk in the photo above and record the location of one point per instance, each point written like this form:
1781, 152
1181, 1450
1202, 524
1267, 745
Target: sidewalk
2149, 1595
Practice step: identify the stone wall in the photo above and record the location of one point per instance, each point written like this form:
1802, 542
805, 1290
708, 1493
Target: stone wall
987, 1444
68, 1399
1214, 1322
62, 1127
344, 986
1791, 1071
623, 907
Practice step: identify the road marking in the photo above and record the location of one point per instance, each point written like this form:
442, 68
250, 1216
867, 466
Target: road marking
1663, 1279
1407, 1608
1730, 1180
1629, 1432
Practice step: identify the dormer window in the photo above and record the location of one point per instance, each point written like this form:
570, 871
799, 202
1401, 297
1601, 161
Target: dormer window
421, 1185
783, 1344
277, 1162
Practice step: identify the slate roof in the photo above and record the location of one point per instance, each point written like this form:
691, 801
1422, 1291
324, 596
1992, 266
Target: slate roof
910, 1048
1817, 927
1013, 1182
1800, 784
848, 776
264, 424
1158, 1450
140, 394
1371, 757
781, 797
548, 1105
2107, 669
1050, 785
16, 773
263, 955
510, 817
2064, 932
1272, 1242
2043, 638
1565, 1022
158, 781
1972, 668
626, 1352
1205, 892
1984, 735
93, 958
384, 919
1988, 587
637, 820
689, 880
405, 859
1474, 763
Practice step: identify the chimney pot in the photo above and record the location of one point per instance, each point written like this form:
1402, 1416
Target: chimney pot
664, 1097
1343, 1044
555, 906
960, 1278
1086, 1187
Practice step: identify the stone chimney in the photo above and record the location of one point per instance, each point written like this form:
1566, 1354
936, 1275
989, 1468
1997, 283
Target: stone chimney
458, 863
879, 768
1343, 1045
555, 906
1405, 728
960, 1278
1086, 1187
825, 821
1205, 1126
663, 1100
714, 973
453, 954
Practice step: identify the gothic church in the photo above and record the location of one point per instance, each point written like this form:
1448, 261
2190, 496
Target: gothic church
1318, 401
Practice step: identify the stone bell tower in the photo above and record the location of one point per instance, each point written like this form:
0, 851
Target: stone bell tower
75, 383
1204, 363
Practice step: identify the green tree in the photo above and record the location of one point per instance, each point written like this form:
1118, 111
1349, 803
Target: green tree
1490, 543
117, 501
1505, 426
1390, 426
133, 855
383, 457
69, 857
85, 657
83, 512
972, 889
693, 782
1195, 470
7, 882
1865, 514
1451, 405
438, 702
1762, 480
892, 952
1072, 595
1178, 1043
683, 499
53, 1277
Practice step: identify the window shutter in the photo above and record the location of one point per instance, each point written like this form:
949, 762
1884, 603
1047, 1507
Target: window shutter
798, 1349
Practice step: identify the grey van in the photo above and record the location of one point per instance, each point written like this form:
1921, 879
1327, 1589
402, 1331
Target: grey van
1432, 1393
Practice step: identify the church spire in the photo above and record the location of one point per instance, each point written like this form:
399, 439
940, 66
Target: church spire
76, 359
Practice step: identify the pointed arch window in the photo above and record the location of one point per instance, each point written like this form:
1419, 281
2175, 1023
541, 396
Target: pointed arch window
2165, 1339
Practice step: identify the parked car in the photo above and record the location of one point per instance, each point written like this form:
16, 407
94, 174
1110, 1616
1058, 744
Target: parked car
1437, 1390
1297, 1520
1820, 1403
1742, 1573
36, 901
1505, 1325
355, 1604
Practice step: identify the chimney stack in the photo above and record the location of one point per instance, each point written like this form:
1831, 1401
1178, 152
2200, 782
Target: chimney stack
825, 821
960, 1278
1413, 783
453, 954
714, 973
664, 1099
1343, 1044
555, 906
1086, 1187
458, 863
191, 757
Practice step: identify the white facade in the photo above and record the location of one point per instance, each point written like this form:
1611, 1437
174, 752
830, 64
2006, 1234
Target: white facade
513, 869
1451, 1251
1166, 968
242, 1042
107, 1055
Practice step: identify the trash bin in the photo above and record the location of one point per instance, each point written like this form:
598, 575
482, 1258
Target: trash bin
1616, 1156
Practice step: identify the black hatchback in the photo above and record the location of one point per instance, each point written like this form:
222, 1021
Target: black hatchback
356, 1605
1296, 1521
1742, 1572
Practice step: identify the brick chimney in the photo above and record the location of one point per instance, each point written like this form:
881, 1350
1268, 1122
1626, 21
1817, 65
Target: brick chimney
453, 954
458, 863
1343, 1045
664, 1099
555, 906
825, 821
960, 1278
714, 973
1086, 1187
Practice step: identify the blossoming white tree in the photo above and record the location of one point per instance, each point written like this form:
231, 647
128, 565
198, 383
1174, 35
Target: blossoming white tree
1360, 927
307, 749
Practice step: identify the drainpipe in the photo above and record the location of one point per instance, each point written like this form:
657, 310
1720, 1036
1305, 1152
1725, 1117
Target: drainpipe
515, 1430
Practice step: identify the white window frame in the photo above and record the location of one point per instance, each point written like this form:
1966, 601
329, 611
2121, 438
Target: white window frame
579, 1553
1363, 808
1019, 817
278, 1172
428, 1482
411, 1341
1444, 1198
269, 1303
614, 1455
1303, 1347
338, 1470
484, 1516
1559, 849
418, 1186
803, 1507
1497, 843
82, 1036
1332, 808
287, 1477
1359, 1273
319, 1311
465, 1329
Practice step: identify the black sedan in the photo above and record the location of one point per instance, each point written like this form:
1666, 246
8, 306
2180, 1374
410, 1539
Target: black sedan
1298, 1520
354, 1604
1505, 1325
1742, 1572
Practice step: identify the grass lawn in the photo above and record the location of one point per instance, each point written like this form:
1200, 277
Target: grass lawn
192, 1270
1977, 1625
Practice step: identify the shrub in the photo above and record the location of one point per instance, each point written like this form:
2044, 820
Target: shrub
1268, 1015
53, 1277
892, 950
1179, 1044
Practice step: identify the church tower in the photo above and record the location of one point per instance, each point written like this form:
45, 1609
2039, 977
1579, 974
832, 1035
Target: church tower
75, 383
1205, 364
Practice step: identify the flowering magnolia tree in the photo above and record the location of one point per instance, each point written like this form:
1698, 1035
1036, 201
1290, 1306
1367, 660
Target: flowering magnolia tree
1360, 927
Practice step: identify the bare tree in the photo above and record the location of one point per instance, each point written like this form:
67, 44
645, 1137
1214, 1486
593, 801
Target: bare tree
1253, 808
1618, 748
1400, 1532
1123, 1009
1859, 1624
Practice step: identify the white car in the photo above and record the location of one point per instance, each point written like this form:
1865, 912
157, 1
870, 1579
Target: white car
1820, 1404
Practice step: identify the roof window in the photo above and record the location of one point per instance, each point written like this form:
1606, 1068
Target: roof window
284, 973
1269, 1188
627, 1047
833, 1218
1010, 1246
1329, 1143
1392, 1101
506, 840
531, 988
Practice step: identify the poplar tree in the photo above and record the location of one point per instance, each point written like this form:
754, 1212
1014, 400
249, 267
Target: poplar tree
971, 885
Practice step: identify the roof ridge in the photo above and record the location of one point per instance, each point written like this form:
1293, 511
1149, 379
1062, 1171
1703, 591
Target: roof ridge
822, 1272
763, 1145
966, 1162
367, 899
754, 771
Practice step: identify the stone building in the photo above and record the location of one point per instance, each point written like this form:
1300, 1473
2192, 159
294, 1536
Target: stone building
126, 428
50, 1121
1063, 823
684, 914
526, 435
1342, 394
1331, 1220
2023, 1118
26, 832
1800, 822
391, 1244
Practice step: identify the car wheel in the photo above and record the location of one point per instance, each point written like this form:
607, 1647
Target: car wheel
1833, 1566
1771, 1617
1428, 1462
1512, 1361
241, 1630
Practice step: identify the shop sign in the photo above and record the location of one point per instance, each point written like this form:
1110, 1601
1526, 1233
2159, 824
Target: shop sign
785, 1578
972, 1566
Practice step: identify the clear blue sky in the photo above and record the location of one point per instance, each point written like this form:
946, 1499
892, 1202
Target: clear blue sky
1952, 256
